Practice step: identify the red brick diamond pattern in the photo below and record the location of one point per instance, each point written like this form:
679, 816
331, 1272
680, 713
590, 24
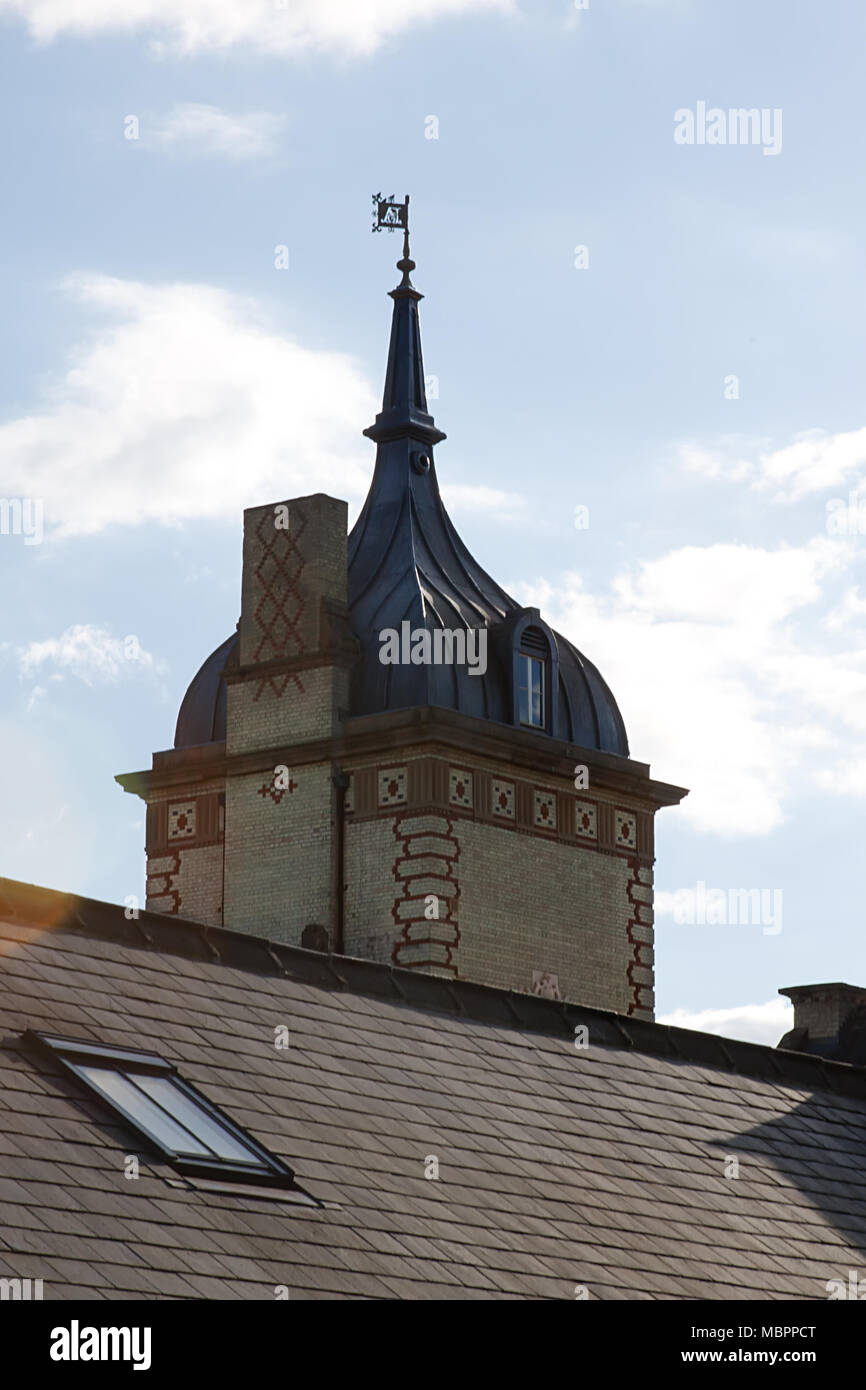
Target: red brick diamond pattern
281, 605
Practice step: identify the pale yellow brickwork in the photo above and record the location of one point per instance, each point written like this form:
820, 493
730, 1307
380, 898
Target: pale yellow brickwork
370, 889
527, 905
278, 850
513, 902
307, 709
524, 905
278, 855
200, 883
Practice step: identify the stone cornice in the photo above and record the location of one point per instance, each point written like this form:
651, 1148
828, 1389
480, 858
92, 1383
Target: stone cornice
413, 732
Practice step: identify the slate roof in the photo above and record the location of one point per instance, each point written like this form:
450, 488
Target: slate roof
558, 1167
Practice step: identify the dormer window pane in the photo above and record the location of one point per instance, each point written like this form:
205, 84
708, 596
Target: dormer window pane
531, 691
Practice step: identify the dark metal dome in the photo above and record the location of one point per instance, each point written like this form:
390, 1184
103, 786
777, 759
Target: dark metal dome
407, 564
202, 716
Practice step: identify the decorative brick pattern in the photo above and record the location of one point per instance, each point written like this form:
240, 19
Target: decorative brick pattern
276, 793
561, 902
502, 799
541, 812
162, 892
281, 603
425, 910
181, 820
392, 786
641, 967
460, 787
625, 824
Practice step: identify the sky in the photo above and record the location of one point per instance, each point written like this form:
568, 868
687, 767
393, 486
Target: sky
641, 313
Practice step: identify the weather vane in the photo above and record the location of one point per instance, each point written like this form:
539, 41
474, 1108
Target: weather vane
390, 215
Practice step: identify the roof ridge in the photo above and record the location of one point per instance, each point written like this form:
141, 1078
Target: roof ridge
155, 932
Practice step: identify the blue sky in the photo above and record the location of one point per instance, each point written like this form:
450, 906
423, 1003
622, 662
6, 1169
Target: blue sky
159, 373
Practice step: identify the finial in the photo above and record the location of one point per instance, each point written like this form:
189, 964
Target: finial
392, 216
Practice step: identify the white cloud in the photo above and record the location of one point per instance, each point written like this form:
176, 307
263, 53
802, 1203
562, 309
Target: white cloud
494, 502
758, 1023
344, 27
846, 776
193, 127
850, 610
87, 652
721, 461
813, 461
724, 673
186, 403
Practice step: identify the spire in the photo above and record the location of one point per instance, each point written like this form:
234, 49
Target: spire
406, 561
404, 403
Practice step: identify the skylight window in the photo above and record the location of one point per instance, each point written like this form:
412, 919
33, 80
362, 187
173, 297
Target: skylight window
145, 1090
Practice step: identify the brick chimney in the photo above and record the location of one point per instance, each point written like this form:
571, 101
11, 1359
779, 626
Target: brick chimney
829, 1021
287, 690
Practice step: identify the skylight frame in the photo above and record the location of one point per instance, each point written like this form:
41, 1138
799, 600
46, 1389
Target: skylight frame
264, 1168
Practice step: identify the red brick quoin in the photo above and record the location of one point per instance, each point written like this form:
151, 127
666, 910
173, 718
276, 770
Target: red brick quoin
639, 932
426, 863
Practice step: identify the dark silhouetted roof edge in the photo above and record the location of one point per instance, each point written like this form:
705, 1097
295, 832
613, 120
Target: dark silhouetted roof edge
35, 906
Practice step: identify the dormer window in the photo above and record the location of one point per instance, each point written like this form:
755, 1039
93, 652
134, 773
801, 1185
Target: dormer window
533, 666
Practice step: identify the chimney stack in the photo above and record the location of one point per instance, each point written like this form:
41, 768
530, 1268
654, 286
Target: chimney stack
829, 1021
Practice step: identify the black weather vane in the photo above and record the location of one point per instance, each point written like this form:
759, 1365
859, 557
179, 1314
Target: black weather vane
389, 215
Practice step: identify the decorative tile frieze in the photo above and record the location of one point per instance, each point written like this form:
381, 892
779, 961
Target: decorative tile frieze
625, 829
392, 786
585, 820
502, 799
181, 820
437, 784
460, 788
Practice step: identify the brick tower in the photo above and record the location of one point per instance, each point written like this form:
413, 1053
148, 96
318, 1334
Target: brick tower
392, 759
